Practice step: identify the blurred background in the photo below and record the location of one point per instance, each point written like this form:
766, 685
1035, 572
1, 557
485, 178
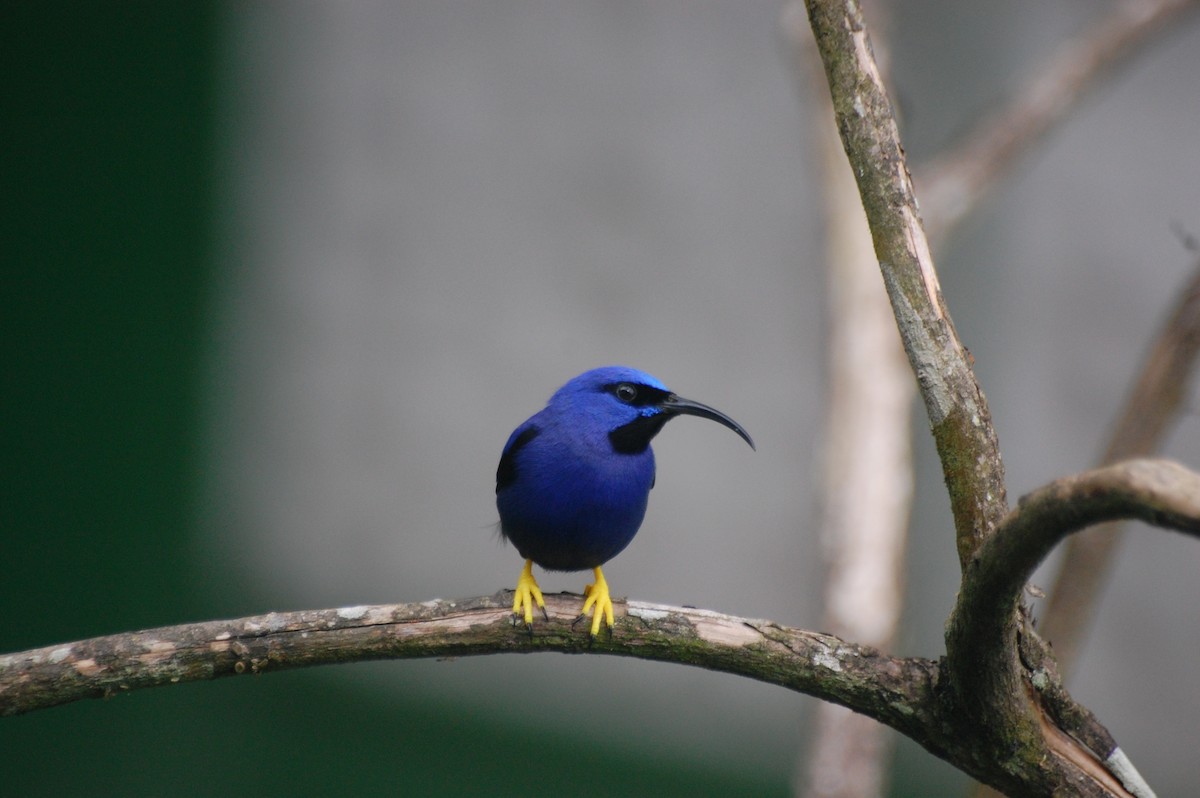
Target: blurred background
279, 279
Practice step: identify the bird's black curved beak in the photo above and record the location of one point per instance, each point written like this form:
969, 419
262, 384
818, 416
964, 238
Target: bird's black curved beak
677, 405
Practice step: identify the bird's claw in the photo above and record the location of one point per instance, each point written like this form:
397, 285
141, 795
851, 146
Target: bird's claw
525, 596
597, 600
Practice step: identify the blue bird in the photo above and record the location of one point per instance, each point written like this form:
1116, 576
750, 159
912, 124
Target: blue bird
574, 479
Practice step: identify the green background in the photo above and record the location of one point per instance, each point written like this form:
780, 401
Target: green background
109, 150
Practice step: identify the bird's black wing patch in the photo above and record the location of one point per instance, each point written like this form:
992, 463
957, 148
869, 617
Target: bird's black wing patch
506, 472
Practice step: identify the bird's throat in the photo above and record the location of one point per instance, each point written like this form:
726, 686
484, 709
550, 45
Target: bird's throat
634, 437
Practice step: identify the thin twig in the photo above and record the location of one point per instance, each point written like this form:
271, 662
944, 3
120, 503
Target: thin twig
953, 183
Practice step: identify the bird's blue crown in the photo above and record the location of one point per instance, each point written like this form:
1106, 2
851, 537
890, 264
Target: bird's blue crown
617, 393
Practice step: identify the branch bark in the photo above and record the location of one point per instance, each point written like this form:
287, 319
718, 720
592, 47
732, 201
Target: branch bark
892, 690
847, 754
958, 412
999, 672
981, 627
1158, 492
994, 706
939, 705
867, 470
996, 690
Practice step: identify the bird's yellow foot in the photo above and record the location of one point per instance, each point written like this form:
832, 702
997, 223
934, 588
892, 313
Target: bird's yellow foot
598, 600
526, 594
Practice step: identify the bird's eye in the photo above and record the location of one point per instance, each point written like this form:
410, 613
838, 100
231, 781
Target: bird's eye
625, 392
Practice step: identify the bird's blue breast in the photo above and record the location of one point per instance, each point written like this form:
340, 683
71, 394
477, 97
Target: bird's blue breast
570, 502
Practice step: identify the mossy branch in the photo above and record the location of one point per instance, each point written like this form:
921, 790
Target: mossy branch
951, 708
993, 706
890, 689
957, 410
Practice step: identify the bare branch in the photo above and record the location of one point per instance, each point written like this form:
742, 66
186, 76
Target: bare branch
953, 183
951, 709
957, 410
959, 179
867, 472
994, 707
1152, 408
892, 690
993, 661
985, 679
1159, 492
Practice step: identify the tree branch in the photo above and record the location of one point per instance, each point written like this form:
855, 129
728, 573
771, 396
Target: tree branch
1153, 406
892, 690
985, 680
994, 707
1158, 492
994, 662
951, 709
954, 182
867, 470
958, 412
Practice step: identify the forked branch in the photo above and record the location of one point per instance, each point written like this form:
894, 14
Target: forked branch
993, 707
939, 707
936, 705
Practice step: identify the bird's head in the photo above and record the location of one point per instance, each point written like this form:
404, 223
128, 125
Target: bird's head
631, 406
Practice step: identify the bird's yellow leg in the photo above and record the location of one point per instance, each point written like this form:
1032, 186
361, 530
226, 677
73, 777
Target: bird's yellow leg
599, 601
526, 594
